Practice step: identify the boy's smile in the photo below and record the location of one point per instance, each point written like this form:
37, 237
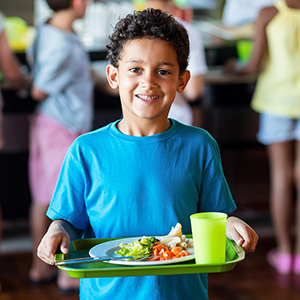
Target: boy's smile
148, 79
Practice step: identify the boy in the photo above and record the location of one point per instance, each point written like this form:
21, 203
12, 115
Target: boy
139, 175
63, 86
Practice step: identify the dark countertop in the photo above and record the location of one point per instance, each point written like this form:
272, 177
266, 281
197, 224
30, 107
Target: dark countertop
215, 75
18, 85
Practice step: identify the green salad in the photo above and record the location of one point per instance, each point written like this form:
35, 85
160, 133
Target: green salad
137, 249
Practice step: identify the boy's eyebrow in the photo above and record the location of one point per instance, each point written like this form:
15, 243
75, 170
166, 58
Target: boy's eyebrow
165, 63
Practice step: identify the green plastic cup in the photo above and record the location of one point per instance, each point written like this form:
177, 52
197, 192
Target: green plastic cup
209, 236
244, 50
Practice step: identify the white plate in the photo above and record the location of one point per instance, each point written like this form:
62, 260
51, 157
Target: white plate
109, 248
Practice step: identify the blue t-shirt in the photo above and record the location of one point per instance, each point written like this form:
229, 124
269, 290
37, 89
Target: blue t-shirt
61, 68
115, 185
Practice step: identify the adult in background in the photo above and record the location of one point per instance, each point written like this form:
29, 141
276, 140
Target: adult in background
239, 12
63, 86
10, 68
181, 110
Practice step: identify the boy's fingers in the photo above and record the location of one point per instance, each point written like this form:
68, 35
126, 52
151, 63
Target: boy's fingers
47, 249
251, 244
244, 242
45, 255
248, 242
234, 235
64, 246
242, 234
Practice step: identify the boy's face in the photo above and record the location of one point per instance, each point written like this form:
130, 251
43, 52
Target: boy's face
148, 79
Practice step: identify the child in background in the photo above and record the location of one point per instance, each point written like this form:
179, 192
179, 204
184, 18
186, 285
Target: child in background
10, 68
277, 99
64, 87
240, 12
181, 110
141, 174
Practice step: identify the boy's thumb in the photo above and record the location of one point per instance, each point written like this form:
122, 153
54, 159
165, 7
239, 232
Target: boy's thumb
237, 238
64, 246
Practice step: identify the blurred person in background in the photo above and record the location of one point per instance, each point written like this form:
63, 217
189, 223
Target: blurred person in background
63, 86
276, 55
181, 110
239, 12
10, 68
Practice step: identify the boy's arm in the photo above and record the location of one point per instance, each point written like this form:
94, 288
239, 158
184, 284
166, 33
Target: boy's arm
242, 234
57, 238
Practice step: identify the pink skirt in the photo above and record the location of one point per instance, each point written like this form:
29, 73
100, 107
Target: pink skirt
49, 142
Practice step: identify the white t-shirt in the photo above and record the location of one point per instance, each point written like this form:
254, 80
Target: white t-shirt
61, 68
197, 64
180, 109
239, 12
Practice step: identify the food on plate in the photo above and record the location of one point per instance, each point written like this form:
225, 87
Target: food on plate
173, 245
161, 252
140, 248
176, 238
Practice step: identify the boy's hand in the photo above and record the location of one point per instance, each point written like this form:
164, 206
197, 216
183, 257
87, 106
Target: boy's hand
55, 238
242, 234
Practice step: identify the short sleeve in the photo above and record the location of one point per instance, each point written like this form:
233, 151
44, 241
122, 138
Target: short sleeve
215, 193
68, 200
54, 70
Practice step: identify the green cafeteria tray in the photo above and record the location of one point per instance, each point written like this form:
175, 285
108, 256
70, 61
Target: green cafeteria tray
80, 248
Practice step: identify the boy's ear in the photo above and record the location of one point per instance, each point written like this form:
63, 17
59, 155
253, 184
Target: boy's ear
112, 76
183, 81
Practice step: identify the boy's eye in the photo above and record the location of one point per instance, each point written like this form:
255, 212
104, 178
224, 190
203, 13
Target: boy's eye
135, 70
163, 72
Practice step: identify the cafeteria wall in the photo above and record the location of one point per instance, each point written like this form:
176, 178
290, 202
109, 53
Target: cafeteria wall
19, 8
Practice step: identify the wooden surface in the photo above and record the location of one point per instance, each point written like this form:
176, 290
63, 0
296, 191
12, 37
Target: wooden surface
254, 279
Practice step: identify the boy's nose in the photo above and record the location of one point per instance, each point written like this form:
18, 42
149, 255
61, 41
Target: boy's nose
148, 81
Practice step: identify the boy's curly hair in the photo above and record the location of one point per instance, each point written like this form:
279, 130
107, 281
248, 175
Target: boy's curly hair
153, 24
